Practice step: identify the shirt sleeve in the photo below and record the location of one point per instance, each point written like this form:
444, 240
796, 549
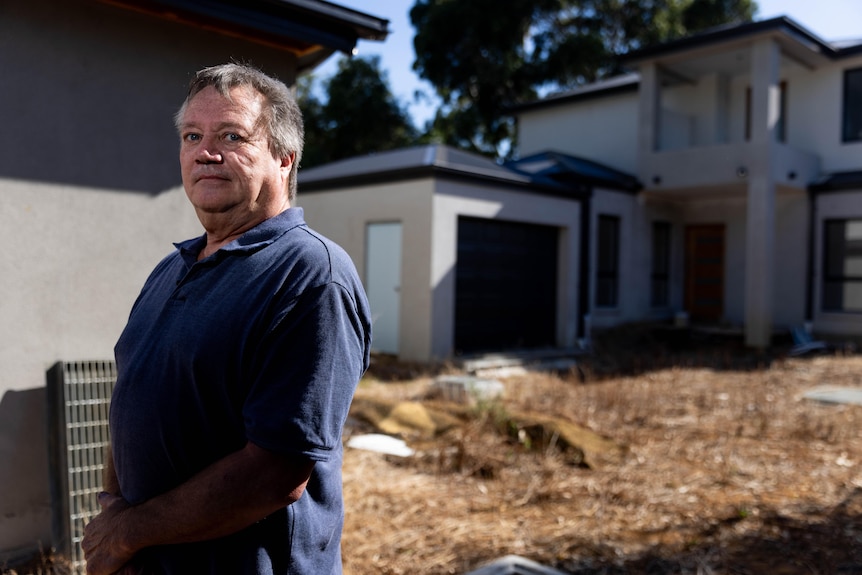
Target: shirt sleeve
306, 372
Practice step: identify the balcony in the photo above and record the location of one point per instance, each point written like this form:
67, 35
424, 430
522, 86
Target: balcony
703, 168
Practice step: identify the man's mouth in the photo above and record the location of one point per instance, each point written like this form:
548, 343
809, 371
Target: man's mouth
211, 177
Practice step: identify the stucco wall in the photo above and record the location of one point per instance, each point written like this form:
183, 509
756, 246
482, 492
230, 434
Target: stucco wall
603, 130
632, 279
815, 108
637, 213
343, 215
74, 261
428, 210
791, 236
89, 201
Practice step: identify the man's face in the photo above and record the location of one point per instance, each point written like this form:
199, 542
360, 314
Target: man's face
229, 173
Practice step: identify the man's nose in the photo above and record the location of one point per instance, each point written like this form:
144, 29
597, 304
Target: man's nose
209, 151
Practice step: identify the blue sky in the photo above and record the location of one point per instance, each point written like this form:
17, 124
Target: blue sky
829, 19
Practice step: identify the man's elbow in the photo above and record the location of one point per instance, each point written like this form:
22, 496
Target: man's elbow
288, 476
295, 494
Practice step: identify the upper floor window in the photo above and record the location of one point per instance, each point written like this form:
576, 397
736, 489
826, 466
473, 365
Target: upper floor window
608, 268
851, 122
842, 265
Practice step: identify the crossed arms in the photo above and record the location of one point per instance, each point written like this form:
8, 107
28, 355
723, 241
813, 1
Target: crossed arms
225, 497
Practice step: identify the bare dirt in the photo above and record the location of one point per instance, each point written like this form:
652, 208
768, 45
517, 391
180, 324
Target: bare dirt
726, 469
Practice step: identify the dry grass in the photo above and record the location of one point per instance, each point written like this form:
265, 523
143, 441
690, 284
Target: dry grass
728, 471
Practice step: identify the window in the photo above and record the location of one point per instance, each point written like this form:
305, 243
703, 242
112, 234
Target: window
781, 126
842, 265
851, 121
608, 268
660, 273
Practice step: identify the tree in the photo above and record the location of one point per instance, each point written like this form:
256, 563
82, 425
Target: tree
484, 55
359, 116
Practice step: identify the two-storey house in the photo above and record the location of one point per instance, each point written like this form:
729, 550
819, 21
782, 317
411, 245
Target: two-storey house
747, 141
719, 183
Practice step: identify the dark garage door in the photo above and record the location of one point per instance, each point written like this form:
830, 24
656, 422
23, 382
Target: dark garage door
505, 285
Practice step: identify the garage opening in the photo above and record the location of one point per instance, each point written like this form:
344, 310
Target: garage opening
505, 285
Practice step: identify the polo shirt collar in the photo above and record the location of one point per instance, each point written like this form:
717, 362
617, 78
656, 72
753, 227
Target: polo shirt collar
253, 240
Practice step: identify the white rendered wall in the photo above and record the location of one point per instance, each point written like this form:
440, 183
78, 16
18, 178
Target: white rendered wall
602, 130
429, 246
75, 260
89, 201
791, 236
343, 215
637, 213
820, 115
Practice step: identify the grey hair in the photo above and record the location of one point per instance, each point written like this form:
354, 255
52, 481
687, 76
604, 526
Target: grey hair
281, 117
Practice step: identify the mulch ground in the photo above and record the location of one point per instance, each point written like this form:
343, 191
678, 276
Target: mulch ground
728, 469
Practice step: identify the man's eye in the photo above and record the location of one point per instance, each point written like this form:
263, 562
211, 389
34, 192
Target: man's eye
232, 137
192, 137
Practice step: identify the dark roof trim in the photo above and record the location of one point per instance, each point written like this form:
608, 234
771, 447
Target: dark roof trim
574, 172
293, 24
434, 171
364, 25
630, 82
838, 182
619, 85
735, 32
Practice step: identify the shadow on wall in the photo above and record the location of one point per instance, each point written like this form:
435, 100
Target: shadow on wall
25, 499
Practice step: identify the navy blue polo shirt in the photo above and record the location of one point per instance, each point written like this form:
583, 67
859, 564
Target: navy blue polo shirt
263, 341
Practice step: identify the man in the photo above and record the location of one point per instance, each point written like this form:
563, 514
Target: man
238, 363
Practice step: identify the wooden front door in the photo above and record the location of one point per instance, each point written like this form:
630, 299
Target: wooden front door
704, 272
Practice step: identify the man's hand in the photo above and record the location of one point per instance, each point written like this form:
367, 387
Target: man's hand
102, 544
228, 496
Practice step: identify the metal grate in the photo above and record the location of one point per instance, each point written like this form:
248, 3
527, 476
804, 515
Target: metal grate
79, 394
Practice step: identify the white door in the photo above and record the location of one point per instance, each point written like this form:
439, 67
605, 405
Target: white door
383, 284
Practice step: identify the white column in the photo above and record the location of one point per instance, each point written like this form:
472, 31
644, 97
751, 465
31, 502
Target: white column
648, 117
721, 110
760, 224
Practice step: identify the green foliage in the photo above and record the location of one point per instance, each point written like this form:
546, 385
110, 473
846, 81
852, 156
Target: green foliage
702, 14
359, 116
484, 55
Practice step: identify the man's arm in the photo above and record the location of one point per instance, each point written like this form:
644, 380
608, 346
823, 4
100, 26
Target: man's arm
224, 498
110, 483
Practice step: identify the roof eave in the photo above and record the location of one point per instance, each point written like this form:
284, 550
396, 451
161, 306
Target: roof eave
429, 171
730, 33
579, 95
312, 30
838, 182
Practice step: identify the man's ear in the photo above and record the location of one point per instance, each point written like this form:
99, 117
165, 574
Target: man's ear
287, 161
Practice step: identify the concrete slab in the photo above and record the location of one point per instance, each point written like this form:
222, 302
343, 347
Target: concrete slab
835, 394
468, 389
503, 365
